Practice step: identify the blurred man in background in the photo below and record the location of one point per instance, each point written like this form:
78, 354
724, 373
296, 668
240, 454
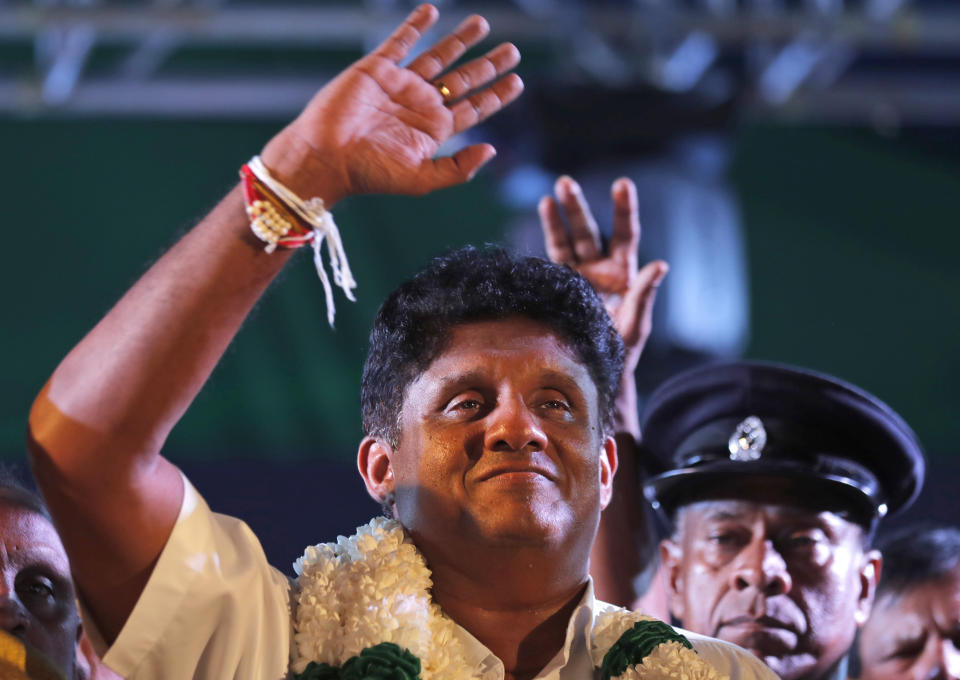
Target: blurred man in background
913, 632
38, 606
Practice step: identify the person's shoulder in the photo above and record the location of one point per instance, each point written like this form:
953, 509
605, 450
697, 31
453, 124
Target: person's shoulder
728, 658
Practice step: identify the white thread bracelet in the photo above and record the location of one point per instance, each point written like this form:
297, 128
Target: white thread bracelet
321, 222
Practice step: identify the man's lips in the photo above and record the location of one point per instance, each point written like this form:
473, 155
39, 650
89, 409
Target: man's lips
758, 623
516, 471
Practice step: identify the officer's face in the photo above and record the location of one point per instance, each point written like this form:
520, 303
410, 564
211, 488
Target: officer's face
787, 584
914, 635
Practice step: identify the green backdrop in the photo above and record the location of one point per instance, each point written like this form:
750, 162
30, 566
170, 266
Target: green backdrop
851, 240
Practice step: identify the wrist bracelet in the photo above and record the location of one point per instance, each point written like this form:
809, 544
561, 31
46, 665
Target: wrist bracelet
270, 221
279, 217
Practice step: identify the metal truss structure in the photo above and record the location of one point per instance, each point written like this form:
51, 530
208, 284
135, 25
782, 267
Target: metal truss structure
877, 62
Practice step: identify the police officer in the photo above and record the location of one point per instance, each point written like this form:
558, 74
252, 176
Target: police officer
776, 480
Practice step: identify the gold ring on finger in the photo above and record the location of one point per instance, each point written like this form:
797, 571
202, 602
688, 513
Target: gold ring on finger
443, 90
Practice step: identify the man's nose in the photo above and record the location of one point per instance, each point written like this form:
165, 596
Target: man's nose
13, 618
512, 426
763, 568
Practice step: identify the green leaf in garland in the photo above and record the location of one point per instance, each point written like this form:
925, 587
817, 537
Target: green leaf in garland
319, 671
385, 661
636, 644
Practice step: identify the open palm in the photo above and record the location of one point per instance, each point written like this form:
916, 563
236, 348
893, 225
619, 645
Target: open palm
627, 292
378, 126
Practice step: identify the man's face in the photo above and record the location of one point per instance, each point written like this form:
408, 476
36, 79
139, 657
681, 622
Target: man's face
790, 585
914, 635
501, 442
37, 603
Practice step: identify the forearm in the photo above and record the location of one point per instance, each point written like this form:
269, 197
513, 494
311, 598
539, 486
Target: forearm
97, 428
626, 411
625, 547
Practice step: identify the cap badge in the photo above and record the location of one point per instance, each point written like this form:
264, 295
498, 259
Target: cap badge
747, 441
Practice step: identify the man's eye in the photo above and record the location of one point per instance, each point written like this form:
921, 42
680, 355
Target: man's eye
722, 538
556, 404
804, 540
467, 405
38, 588
801, 541
907, 652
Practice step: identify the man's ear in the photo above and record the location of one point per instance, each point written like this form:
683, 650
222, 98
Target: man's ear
608, 468
869, 577
375, 462
671, 560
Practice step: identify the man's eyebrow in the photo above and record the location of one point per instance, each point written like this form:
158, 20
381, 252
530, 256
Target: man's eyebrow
560, 379
827, 521
909, 637
458, 381
720, 515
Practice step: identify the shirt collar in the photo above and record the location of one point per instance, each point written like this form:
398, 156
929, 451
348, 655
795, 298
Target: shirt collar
572, 660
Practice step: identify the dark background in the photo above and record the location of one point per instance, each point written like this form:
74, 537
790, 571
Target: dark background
122, 124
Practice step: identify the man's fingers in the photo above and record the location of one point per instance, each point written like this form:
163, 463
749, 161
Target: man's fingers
401, 41
555, 237
483, 104
636, 318
438, 173
583, 228
441, 56
477, 73
626, 221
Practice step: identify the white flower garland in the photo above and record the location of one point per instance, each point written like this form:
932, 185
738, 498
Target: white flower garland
374, 587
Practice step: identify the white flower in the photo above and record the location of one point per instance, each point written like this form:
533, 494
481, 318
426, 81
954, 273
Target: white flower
370, 588
672, 660
608, 628
375, 586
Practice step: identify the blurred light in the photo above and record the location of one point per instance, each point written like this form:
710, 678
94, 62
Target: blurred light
689, 61
524, 185
68, 51
788, 70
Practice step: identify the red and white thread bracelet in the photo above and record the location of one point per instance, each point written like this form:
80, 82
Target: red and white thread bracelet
317, 225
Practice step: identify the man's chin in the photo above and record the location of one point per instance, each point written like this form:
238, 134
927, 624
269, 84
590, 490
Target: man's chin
517, 534
530, 527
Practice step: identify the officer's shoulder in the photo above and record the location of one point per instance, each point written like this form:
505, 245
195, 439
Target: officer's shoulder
729, 659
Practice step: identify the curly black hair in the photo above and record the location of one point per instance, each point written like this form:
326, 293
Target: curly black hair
415, 322
14, 492
917, 554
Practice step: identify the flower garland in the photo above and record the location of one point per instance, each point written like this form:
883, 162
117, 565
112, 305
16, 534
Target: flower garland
364, 610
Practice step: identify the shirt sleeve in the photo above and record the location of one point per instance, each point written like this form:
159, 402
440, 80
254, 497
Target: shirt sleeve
730, 660
212, 608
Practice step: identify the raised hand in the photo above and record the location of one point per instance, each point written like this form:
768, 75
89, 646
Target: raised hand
627, 291
377, 127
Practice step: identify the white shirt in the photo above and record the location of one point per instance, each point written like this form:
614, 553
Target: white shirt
214, 608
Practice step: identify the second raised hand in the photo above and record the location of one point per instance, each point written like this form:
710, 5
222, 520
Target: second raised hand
377, 127
572, 238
